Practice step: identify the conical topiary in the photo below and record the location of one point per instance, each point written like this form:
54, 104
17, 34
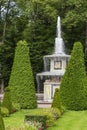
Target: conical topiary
56, 99
21, 79
73, 85
7, 100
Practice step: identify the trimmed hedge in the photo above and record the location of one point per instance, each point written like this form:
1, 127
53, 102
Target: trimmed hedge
74, 85
36, 119
21, 79
7, 100
56, 99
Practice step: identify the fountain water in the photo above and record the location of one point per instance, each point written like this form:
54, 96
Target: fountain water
59, 44
54, 68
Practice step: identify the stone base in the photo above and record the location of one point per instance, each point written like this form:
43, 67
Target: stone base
49, 90
44, 104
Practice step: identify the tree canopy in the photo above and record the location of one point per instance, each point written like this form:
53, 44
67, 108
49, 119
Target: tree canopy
35, 22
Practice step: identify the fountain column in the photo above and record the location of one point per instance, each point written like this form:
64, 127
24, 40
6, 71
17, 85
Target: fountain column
59, 44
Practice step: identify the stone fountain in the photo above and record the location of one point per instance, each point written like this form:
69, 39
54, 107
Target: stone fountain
54, 68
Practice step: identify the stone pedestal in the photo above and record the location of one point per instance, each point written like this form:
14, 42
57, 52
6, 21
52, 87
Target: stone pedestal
49, 90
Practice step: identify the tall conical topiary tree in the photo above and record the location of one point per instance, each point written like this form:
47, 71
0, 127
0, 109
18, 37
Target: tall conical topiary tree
7, 100
21, 80
56, 99
2, 127
72, 89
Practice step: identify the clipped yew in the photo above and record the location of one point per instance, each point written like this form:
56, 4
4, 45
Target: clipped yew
21, 80
7, 103
56, 99
2, 127
73, 85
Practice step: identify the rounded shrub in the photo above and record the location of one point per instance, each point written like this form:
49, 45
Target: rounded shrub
73, 86
21, 80
4, 112
56, 99
7, 100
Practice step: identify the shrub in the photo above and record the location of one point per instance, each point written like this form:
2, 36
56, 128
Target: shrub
7, 100
51, 115
72, 92
1, 123
15, 107
37, 120
2, 127
4, 112
56, 99
21, 79
56, 113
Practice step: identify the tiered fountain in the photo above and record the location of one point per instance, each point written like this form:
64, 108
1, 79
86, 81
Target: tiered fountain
54, 68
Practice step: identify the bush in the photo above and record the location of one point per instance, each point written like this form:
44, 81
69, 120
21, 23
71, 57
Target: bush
1, 123
56, 99
51, 115
2, 127
56, 113
21, 79
15, 107
72, 92
4, 112
37, 120
7, 100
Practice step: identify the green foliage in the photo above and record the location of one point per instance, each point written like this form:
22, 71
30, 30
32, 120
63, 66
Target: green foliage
56, 113
21, 79
4, 112
2, 127
15, 107
7, 100
1, 123
39, 119
56, 99
37, 26
73, 86
6, 57
52, 114
71, 120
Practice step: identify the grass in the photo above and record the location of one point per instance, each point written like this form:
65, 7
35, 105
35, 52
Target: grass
71, 120
16, 120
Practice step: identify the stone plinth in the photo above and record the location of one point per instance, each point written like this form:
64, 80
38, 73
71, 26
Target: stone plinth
49, 90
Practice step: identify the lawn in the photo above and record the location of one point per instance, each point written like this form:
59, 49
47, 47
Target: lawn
71, 120
16, 120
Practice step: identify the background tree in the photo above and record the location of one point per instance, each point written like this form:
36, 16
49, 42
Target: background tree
35, 21
73, 85
21, 80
